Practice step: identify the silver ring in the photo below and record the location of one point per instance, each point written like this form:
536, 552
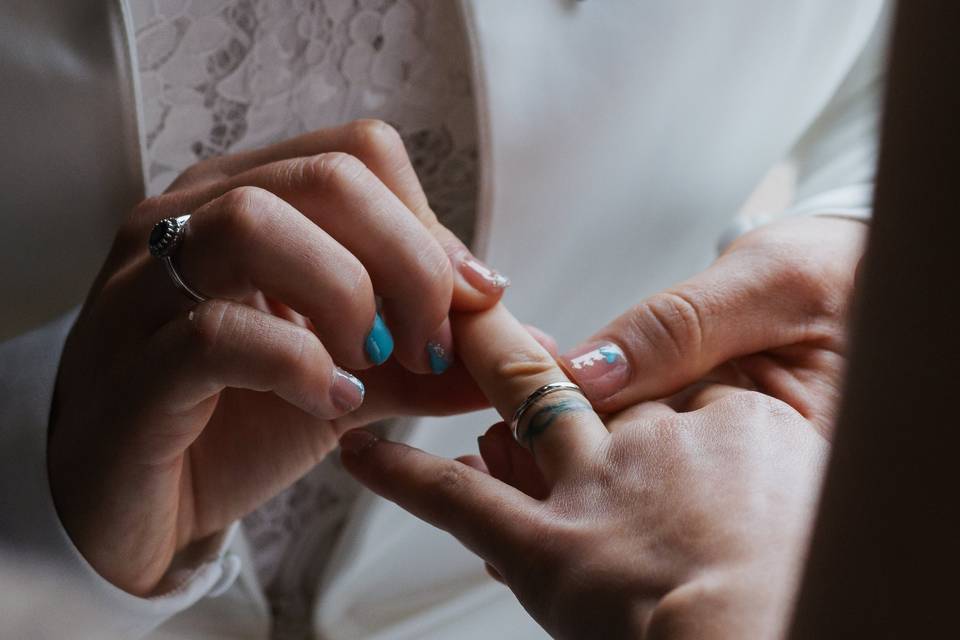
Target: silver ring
165, 238
535, 397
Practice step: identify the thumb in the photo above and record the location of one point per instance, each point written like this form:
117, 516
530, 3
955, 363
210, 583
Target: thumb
738, 306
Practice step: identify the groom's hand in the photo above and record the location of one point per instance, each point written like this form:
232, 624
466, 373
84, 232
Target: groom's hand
620, 528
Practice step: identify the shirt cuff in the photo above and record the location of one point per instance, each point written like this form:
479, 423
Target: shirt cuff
72, 596
853, 202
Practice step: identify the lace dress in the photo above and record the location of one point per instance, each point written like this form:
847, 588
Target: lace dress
219, 76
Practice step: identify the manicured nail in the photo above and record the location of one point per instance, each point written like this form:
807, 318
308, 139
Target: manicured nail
347, 391
440, 349
379, 343
481, 277
357, 441
440, 357
601, 369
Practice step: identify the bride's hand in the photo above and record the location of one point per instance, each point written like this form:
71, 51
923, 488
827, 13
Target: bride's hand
172, 419
682, 520
769, 314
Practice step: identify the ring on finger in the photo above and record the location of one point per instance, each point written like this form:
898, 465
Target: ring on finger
165, 239
521, 435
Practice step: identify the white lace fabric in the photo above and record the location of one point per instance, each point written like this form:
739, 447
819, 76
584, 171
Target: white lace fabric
219, 76
225, 75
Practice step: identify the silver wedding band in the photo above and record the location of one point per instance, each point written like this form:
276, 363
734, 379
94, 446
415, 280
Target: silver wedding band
533, 399
165, 239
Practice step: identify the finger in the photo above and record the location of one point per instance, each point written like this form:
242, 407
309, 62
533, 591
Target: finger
393, 391
547, 341
381, 149
478, 463
508, 365
223, 344
493, 573
490, 518
249, 242
474, 462
674, 338
806, 379
409, 270
508, 462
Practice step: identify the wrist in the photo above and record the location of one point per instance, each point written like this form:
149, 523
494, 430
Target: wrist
106, 513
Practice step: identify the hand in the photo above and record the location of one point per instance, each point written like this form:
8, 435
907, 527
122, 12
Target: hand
656, 524
769, 314
171, 419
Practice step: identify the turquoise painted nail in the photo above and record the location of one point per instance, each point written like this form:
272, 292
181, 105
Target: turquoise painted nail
440, 360
379, 344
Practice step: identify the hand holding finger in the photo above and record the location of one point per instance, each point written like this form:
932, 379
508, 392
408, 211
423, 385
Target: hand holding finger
508, 365
766, 292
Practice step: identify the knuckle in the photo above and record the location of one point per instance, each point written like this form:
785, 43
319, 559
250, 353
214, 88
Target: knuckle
149, 208
329, 171
674, 319
451, 479
299, 354
375, 138
351, 288
141, 217
668, 436
209, 323
526, 363
241, 212
750, 403
430, 268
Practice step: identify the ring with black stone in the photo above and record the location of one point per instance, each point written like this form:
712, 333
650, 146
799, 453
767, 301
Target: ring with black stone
165, 238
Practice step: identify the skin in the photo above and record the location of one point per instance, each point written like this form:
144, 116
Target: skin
679, 519
734, 472
770, 314
171, 420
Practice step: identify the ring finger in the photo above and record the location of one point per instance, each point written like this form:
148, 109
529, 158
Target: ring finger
249, 241
509, 365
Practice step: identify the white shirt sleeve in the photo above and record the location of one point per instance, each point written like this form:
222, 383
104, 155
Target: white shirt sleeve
835, 159
73, 599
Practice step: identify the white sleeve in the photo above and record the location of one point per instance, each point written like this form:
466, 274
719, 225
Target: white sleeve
835, 159
72, 599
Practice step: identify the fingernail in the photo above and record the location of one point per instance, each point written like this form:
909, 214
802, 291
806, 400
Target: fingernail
347, 391
379, 343
357, 441
481, 277
601, 369
440, 349
440, 358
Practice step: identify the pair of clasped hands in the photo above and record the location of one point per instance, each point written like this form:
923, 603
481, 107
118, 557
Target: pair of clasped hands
676, 505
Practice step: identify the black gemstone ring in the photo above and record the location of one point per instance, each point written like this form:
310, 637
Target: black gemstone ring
165, 238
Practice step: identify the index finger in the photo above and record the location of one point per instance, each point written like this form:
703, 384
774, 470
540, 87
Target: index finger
490, 518
508, 365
